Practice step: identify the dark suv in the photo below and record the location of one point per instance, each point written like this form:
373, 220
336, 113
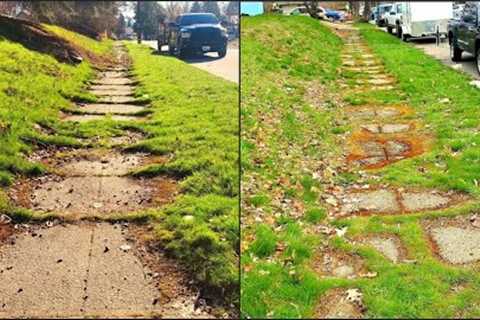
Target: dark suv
464, 33
194, 33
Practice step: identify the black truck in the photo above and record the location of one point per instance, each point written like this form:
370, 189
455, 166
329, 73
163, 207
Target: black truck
193, 33
464, 33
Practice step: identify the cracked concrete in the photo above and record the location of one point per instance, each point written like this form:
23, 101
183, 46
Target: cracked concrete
87, 270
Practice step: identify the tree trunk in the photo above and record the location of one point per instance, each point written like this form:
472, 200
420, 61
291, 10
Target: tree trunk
312, 8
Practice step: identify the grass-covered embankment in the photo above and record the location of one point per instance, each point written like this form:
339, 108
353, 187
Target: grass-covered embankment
33, 88
285, 137
195, 121
280, 193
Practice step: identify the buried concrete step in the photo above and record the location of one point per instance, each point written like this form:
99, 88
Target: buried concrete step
457, 245
387, 246
118, 99
112, 87
113, 74
340, 304
378, 111
81, 271
89, 163
117, 93
98, 117
386, 201
113, 81
387, 128
91, 195
105, 108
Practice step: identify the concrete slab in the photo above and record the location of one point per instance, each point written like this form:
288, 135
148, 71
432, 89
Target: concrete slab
113, 81
371, 161
396, 148
117, 99
97, 117
373, 149
387, 247
91, 195
376, 201
112, 87
395, 128
363, 113
387, 112
416, 201
373, 128
74, 271
110, 164
335, 305
123, 92
105, 108
113, 74
457, 245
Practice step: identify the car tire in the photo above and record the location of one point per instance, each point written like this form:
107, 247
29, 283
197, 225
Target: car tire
477, 60
455, 52
222, 53
399, 31
390, 30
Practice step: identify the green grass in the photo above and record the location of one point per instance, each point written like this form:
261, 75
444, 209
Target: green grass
278, 245
33, 88
100, 48
283, 138
195, 120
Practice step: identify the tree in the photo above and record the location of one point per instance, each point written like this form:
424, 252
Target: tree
312, 8
147, 15
196, 7
121, 26
212, 7
233, 8
173, 9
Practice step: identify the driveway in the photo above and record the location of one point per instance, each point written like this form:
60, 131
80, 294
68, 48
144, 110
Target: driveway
226, 67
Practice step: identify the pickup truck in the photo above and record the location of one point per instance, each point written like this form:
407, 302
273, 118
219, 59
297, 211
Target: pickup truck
193, 33
464, 33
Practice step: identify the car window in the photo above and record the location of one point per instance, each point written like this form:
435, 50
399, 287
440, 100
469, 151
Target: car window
399, 8
198, 19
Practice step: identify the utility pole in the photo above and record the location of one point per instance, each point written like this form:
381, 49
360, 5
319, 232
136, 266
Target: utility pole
139, 24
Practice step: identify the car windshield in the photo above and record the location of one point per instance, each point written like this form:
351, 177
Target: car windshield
198, 19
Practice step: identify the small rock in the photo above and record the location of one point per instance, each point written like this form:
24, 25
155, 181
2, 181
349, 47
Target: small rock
125, 247
4, 219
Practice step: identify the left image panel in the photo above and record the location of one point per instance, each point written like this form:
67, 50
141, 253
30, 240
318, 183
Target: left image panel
119, 159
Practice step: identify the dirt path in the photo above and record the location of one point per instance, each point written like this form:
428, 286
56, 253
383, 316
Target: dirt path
382, 134
62, 269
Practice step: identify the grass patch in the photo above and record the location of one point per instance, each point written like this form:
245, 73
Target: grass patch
284, 136
195, 119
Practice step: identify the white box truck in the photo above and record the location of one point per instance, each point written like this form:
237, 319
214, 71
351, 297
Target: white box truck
412, 19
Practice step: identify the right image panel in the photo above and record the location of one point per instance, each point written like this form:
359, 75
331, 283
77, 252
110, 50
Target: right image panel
360, 159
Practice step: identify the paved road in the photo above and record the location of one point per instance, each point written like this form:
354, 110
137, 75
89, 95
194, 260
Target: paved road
226, 67
442, 53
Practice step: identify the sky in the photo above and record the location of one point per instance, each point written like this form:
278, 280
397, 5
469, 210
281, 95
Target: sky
251, 8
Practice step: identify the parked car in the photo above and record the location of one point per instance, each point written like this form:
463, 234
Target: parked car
373, 14
382, 11
334, 15
412, 19
394, 17
194, 33
464, 34
299, 11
